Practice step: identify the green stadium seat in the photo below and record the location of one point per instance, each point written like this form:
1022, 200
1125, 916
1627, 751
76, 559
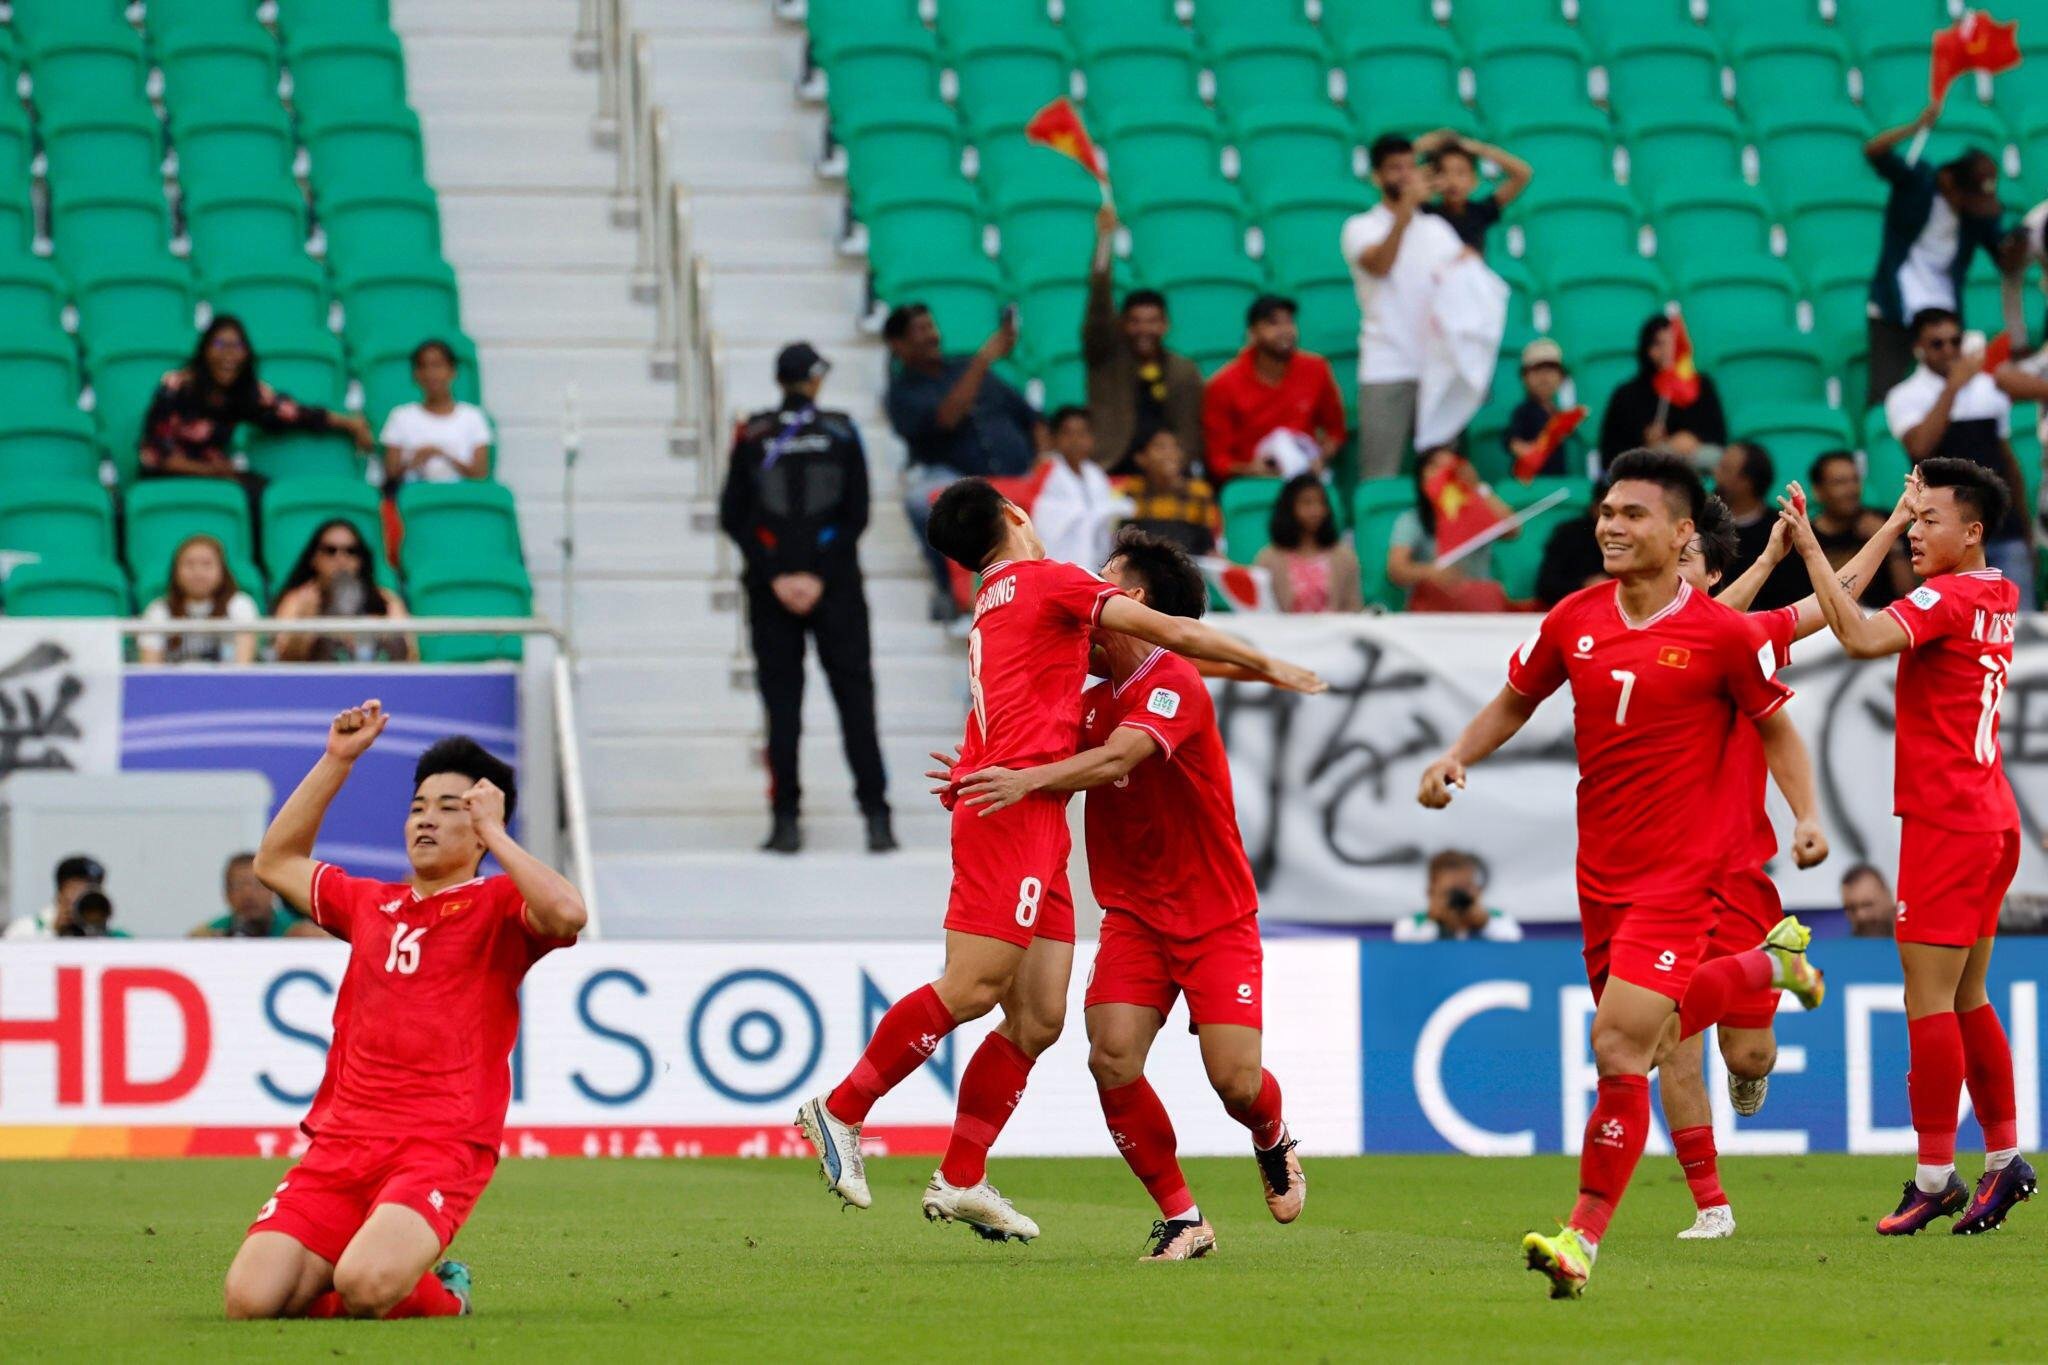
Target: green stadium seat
1522, 295
385, 371
1301, 228
1375, 507
1050, 296
414, 298
468, 586
1011, 82
1650, 67
167, 18
344, 66
1516, 559
1570, 144
1794, 433
1803, 68
1838, 287
308, 366
1833, 215
109, 222
142, 293
1598, 368
366, 224
1293, 145
1327, 310
56, 518
345, 15
207, 62
1087, 20
2031, 132
1208, 303
1417, 59
1596, 300
918, 219
1130, 70
38, 368
31, 294
1811, 146
125, 371
1484, 445
1211, 15
1561, 222
1737, 19
376, 144
244, 225
17, 139
919, 140
1263, 63
1779, 368
295, 508
17, 217
1700, 219
1169, 138
1382, 111
1247, 506
161, 514
1201, 220
1894, 71
282, 297
81, 57
965, 296
48, 443
33, 18
879, 66
285, 456
1730, 297
114, 143
1681, 144
1885, 462
1064, 382
1047, 220
1471, 19
475, 514
964, 29
1528, 66
66, 587
232, 144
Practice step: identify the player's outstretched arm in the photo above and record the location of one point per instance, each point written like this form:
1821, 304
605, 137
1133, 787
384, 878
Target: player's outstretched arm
1792, 769
1198, 641
1862, 637
992, 789
284, 860
1741, 594
554, 908
1497, 722
1864, 565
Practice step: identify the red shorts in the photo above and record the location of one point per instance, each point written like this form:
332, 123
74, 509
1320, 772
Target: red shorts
322, 1202
1010, 872
1952, 882
1219, 972
1656, 947
1746, 907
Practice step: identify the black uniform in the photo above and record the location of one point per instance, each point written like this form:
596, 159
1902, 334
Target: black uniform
796, 501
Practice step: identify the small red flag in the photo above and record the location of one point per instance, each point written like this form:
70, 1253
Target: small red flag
1997, 351
1976, 42
1679, 382
1561, 425
1461, 513
1059, 127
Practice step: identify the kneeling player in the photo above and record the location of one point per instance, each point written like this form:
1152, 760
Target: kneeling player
406, 1124
1180, 907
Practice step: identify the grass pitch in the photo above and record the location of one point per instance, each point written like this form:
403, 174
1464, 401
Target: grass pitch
1396, 1258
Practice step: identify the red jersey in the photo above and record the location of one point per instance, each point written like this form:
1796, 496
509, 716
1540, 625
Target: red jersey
1162, 840
1743, 767
1026, 660
1948, 770
428, 1009
1653, 707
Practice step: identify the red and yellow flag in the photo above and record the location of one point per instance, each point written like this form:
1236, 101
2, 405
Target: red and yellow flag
1059, 127
1679, 382
1976, 42
1997, 351
1561, 425
1461, 512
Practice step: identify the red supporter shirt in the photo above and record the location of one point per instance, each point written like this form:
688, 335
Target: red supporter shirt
1743, 768
1162, 840
1653, 708
428, 1009
1239, 409
1026, 660
1948, 768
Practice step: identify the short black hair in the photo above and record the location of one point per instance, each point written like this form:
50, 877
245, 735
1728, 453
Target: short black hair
80, 867
1173, 585
1932, 317
1266, 305
1861, 870
897, 325
433, 344
1974, 486
1144, 298
967, 523
1388, 145
1672, 473
463, 756
1284, 529
1757, 466
1823, 460
1715, 527
1065, 414
1455, 147
1973, 165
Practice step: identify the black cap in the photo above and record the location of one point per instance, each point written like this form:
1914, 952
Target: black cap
799, 362
79, 867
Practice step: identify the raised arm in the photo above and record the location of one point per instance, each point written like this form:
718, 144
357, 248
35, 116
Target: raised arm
1892, 137
1515, 172
1499, 721
284, 860
992, 789
1197, 641
1862, 637
1853, 576
1792, 769
553, 907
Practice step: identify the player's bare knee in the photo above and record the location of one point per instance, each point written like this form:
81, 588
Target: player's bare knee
1114, 1066
1236, 1084
1750, 1061
1616, 1052
243, 1300
1036, 1031
369, 1291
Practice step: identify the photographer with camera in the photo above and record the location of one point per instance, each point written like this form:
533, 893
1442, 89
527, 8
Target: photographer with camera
1456, 909
76, 875
92, 917
253, 911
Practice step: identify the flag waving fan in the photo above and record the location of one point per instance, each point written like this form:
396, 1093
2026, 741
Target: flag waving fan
1678, 383
1531, 461
1059, 127
1976, 42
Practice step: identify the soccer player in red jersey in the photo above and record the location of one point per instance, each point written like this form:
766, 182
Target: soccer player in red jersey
1659, 676
1181, 908
1959, 841
407, 1120
1009, 920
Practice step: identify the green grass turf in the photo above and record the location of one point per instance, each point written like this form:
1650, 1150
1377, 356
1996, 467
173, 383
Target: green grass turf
1396, 1258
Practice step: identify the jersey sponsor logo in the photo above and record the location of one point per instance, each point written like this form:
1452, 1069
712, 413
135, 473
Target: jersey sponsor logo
1585, 650
434, 1198
1674, 656
1924, 597
1609, 1134
1164, 701
1666, 960
1244, 992
1901, 917
1000, 593
391, 907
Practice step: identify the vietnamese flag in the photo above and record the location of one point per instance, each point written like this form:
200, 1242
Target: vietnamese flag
1679, 382
1977, 42
1552, 436
1997, 351
1059, 127
1461, 512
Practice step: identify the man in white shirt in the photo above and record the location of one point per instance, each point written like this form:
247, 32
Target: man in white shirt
1457, 882
76, 875
1396, 254
1076, 511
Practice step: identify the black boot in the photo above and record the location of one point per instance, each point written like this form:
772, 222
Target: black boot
785, 837
881, 834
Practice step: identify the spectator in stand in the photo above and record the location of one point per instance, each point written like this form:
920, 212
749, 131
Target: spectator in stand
92, 917
1395, 257
438, 439
1949, 406
796, 502
333, 577
253, 911
1571, 556
1935, 219
192, 419
956, 418
1543, 375
1457, 910
1454, 166
1312, 569
76, 875
1867, 902
1636, 416
1467, 585
1747, 481
1077, 511
1272, 396
1843, 525
1135, 385
201, 587
1168, 502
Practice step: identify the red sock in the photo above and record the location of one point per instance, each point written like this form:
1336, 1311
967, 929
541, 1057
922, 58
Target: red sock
905, 1038
1695, 1147
1934, 1083
1718, 984
1144, 1134
326, 1305
1615, 1133
1987, 1061
989, 1090
1263, 1118
429, 1299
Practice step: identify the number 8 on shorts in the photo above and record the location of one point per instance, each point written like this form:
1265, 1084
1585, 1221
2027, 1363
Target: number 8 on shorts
1028, 893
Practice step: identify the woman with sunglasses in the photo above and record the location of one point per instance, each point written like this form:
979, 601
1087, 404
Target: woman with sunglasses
333, 577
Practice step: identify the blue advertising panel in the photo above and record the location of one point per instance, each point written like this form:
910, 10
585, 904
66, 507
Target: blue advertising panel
1482, 1048
275, 721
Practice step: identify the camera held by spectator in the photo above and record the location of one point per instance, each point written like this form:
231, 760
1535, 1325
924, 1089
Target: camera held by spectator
1457, 909
92, 917
75, 876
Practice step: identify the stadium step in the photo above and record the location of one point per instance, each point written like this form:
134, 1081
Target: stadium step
826, 830
527, 70
745, 895
618, 463
713, 774
526, 381
793, 229
557, 307
428, 18
489, 229
654, 694
470, 148
823, 306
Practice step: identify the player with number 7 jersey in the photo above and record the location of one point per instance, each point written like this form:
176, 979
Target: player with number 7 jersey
406, 1124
